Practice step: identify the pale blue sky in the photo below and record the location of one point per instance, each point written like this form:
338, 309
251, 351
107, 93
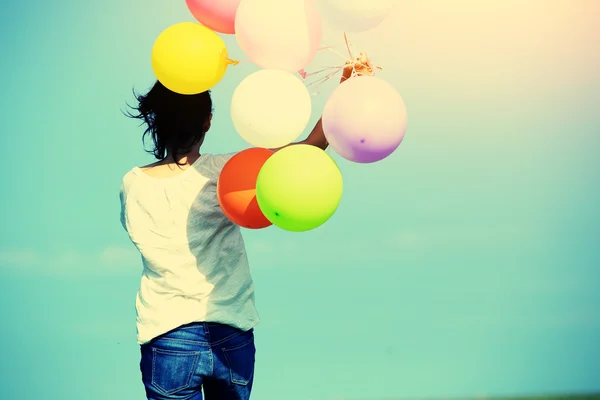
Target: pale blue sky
464, 264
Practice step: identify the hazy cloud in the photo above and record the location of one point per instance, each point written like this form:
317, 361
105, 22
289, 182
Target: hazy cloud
18, 257
475, 234
263, 252
111, 258
260, 247
101, 330
69, 258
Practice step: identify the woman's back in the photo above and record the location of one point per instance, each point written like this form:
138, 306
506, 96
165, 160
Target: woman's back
195, 263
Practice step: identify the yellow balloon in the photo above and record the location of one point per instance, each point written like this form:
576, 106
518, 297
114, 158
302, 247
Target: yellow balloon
189, 58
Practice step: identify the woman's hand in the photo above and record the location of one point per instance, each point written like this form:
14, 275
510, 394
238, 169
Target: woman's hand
361, 65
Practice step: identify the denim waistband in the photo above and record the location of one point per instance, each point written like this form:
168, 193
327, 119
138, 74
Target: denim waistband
207, 333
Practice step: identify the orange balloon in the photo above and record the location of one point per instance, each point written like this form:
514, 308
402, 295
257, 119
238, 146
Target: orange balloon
236, 188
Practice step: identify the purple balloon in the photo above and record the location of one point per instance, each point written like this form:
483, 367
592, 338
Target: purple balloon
364, 119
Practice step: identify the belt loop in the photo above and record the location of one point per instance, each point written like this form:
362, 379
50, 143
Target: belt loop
206, 332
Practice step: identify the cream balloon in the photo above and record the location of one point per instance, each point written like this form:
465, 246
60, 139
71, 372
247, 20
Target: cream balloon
271, 108
356, 15
279, 34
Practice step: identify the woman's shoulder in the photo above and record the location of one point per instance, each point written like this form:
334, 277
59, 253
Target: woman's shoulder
128, 179
221, 159
212, 164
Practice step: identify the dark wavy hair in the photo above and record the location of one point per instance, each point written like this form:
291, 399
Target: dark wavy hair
176, 122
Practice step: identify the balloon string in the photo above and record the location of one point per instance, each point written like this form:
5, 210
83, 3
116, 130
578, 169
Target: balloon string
325, 78
305, 75
364, 64
348, 46
336, 52
361, 65
325, 48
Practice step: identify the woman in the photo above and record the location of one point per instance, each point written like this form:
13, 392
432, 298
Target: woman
195, 306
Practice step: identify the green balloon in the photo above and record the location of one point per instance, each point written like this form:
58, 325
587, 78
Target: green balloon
299, 188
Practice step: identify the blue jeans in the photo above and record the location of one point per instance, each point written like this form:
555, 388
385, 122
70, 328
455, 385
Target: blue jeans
216, 358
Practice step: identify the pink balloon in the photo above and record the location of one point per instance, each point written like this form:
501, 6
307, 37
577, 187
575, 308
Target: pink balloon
279, 34
364, 119
218, 15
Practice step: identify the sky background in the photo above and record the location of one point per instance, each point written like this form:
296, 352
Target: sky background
465, 264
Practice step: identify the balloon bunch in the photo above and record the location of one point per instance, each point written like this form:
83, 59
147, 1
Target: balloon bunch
299, 187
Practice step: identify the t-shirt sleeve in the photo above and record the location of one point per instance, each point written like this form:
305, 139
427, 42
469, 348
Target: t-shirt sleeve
122, 198
221, 159
125, 184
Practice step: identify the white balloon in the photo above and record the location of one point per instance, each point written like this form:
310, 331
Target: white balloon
279, 34
271, 108
356, 15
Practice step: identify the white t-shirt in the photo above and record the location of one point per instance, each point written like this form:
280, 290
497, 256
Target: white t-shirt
195, 267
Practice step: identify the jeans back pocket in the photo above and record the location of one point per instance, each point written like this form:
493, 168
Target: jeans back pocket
172, 370
240, 360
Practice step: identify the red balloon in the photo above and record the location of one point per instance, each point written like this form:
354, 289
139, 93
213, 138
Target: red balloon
218, 15
236, 188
